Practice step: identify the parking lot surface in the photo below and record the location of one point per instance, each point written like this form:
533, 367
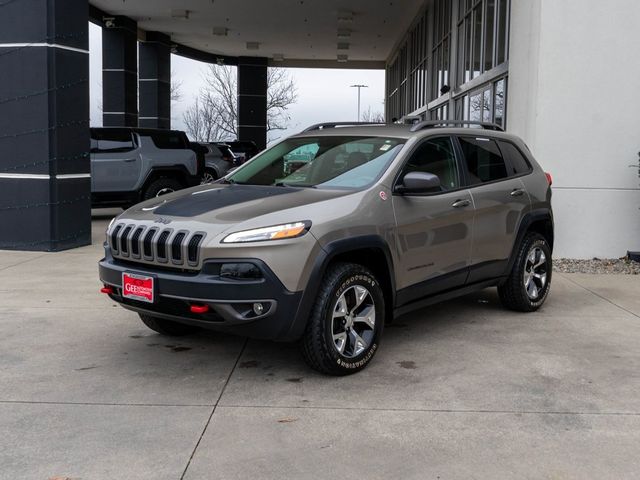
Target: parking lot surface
462, 389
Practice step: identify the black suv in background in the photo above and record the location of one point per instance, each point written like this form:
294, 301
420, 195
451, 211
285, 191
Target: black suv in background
129, 165
243, 150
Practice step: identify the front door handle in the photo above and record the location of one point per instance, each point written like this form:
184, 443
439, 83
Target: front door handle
129, 160
461, 203
517, 192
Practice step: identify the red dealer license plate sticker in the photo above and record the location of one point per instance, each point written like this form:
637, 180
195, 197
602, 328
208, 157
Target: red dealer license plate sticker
137, 287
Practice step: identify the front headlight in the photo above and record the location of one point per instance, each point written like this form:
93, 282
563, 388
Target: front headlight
277, 232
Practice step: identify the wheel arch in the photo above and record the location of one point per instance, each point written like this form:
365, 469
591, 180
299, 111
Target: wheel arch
538, 221
370, 251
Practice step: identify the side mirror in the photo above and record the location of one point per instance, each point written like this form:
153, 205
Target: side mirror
419, 182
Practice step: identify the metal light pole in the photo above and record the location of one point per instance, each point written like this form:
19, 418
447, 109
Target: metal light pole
359, 87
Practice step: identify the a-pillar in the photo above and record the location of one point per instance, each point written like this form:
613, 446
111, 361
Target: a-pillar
155, 81
252, 100
45, 184
119, 72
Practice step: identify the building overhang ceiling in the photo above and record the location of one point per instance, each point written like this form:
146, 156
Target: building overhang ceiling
294, 33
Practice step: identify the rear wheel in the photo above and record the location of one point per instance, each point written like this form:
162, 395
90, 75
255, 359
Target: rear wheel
167, 327
161, 186
346, 322
527, 286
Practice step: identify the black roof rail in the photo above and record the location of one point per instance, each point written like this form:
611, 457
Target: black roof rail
444, 123
322, 126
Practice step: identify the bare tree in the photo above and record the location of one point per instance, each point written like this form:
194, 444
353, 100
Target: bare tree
217, 104
175, 90
201, 122
370, 116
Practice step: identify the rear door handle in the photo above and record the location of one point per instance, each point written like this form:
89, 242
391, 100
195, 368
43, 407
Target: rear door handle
129, 160
461, 203
517, 192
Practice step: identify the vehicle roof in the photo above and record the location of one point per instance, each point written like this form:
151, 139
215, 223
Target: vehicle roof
138, 130
394, 130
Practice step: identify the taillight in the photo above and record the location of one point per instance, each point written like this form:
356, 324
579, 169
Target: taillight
549, 178
227, 158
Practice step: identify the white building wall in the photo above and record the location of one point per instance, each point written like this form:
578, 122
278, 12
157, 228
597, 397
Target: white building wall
574, 96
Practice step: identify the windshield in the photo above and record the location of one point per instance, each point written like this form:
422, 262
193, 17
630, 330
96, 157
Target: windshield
331, 162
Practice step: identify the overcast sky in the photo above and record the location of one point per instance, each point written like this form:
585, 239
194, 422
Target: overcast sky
324, 95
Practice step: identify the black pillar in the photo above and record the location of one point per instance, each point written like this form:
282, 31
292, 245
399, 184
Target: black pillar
120, 72
252, 100
155, 81
45, 184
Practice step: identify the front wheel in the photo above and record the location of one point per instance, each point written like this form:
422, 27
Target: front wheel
161, 186
346, 323
527, 286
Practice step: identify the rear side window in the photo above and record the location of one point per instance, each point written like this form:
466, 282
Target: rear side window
483, 159
169, 141
111, 142
517, 164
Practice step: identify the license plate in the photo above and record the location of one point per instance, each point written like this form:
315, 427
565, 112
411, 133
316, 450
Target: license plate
137, 287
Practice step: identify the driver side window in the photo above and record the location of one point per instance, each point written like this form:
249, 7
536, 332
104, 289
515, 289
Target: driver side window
436, 156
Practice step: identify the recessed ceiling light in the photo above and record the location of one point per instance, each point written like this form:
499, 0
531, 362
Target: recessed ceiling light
344, 33
253, 45
220, 31
180, 14
342, 58
343, 45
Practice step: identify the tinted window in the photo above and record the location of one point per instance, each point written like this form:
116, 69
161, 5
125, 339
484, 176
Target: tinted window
484, 161
111, 141
168, 140
436, 156
516, 162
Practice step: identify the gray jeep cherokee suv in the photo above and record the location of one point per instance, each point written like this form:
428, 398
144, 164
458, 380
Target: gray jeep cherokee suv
382, 220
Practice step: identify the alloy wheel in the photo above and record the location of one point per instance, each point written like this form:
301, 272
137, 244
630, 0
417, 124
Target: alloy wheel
535, 273
353, 321
164, 191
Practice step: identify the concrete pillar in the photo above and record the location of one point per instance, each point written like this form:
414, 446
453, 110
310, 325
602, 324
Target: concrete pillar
120, 72
252, 100
155, 81
45, 184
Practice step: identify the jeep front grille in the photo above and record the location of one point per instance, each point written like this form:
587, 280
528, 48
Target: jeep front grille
151, 244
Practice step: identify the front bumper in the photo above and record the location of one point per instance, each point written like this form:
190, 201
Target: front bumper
230, 301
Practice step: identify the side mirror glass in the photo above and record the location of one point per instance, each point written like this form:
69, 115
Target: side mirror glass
419, 182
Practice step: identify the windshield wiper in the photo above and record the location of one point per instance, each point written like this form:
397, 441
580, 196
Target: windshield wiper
294, 185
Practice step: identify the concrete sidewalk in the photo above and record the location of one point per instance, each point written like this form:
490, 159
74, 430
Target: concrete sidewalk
460, 390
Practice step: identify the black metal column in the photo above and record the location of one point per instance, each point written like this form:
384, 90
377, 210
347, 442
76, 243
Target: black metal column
155, 81
45, 184
119, 72
252, 100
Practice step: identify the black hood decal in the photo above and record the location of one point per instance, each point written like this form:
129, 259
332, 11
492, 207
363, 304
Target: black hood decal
218, 197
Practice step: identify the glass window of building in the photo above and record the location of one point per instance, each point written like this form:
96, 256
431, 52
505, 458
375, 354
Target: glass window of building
441, 40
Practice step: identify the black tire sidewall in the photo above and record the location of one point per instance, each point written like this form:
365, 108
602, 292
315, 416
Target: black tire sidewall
351, 277
532, 242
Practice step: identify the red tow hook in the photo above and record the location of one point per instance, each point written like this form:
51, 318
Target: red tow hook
199, 308
106, 290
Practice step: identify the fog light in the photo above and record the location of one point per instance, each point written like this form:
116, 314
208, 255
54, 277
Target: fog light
258, 308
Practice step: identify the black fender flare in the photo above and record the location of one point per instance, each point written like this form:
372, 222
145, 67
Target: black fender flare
528, 219
321, 263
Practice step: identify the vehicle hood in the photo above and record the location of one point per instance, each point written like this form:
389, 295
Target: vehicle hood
217, 207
